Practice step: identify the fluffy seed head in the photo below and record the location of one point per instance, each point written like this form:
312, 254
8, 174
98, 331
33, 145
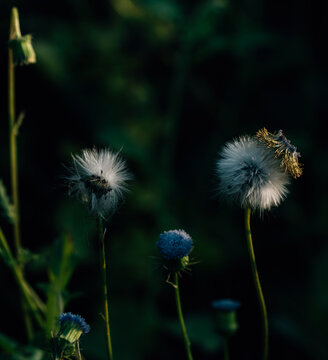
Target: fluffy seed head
174, 244
98, 178
284, 150
250, 175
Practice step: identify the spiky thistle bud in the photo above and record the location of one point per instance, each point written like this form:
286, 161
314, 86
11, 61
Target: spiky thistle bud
21, 46
283, 149
175, 246
226, 316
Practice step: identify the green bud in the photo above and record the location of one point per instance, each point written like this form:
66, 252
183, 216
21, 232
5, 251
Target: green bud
226, 316
23, 52
226, 322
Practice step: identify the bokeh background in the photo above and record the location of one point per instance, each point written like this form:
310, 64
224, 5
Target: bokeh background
168, 83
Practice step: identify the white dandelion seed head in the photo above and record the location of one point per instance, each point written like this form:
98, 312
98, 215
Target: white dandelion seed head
98, 178
250, 175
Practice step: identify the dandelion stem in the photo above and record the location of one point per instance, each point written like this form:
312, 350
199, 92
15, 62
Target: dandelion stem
14, 31
225, 348
180, 316
104, 269
257, 284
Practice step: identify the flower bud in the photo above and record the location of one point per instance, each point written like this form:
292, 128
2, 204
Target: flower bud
175, 246
226, 316
72, 327
23, 52
21, 46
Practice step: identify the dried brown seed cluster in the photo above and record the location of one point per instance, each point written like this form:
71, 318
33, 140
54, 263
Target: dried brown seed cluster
283, 150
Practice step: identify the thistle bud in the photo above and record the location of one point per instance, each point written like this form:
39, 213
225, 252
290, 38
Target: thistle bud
175, 246
226, 316
72, 327
21, 46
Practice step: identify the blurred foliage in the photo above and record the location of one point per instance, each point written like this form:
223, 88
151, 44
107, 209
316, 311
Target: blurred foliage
168, 83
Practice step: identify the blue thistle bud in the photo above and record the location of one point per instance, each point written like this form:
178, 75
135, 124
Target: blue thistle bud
226, 316
65, 343
72, 327
175, 246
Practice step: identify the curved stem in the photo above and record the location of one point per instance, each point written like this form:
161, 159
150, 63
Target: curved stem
180, 316
257, 285
104, 268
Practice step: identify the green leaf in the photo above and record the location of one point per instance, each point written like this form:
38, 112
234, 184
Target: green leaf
62, 264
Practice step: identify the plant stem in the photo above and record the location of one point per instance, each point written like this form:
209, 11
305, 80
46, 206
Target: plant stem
14, 31
14, 28
257, 284
31, 298
180, 316
225, 348
104, 269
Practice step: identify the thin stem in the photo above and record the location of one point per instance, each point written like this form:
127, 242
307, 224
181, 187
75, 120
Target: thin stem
104, 269
257, 284
180, 316
225, 348
14, 31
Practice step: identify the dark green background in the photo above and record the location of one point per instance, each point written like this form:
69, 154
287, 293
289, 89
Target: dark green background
169, 83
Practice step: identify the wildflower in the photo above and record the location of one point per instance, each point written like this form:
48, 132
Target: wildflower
72, 327
175, 246
283, 149
250, 175
98, 178
226, 316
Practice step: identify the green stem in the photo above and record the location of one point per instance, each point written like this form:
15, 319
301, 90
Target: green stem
31, 298
104, 269
14, 31
257, 284
225, 348
14, 24
180, 316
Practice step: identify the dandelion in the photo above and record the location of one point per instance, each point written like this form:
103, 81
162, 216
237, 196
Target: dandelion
98, 178
250, 175
284, 150
175, 247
